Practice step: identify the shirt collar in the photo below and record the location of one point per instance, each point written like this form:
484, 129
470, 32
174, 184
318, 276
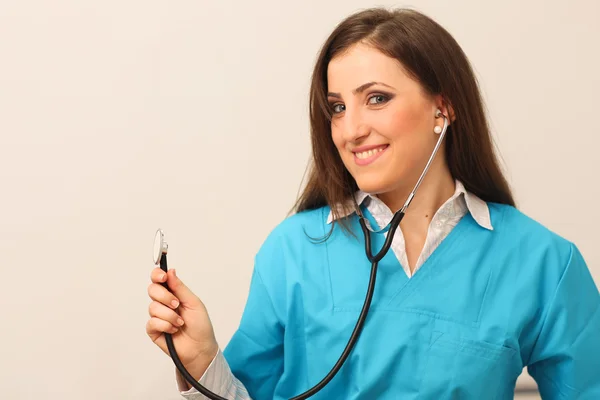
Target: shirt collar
478, 208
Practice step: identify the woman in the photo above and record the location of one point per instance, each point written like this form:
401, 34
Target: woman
471, 291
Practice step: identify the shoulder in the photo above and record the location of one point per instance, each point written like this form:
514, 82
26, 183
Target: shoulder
536, 262
510, 221
529, 238
294, 234
311, 222
298, 227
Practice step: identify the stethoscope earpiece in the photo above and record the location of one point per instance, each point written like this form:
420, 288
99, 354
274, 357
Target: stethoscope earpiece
438, 129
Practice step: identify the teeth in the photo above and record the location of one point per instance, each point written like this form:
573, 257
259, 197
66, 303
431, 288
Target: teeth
368, 153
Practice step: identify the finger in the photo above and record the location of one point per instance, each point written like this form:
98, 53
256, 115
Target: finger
181, 291
160, 311
155, 327
158, 293
158, 275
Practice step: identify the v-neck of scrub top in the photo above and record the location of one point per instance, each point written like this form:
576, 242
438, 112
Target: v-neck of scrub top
393, 286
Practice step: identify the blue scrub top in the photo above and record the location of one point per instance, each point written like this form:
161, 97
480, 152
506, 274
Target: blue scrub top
484, 305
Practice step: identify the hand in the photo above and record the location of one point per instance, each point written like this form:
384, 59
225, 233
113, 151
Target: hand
182, 314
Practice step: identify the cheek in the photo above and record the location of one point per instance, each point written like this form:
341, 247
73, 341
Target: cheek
405, 129
401, 124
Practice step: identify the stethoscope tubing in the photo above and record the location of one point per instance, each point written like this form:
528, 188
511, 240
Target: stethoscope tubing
353, 337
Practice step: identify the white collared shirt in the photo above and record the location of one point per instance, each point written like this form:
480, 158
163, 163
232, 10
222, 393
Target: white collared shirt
218, 377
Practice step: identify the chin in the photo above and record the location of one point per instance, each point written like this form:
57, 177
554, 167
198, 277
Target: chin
373, 185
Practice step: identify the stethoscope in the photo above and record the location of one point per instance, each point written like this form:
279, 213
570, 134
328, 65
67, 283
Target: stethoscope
160, 257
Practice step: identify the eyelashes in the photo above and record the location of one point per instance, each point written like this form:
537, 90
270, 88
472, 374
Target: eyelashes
376, 99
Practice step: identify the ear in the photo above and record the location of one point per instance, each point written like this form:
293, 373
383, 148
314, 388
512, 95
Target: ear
445, 107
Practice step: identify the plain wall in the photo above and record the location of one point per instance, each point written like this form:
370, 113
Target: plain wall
120, 117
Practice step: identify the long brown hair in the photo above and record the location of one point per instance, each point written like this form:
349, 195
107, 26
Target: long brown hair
431, 55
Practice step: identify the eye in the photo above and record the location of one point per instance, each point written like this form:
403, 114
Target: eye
378, 99
338, 108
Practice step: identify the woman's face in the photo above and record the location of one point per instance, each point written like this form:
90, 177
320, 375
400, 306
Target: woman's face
383, 120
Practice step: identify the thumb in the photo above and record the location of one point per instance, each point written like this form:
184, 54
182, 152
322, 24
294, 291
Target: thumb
180, 290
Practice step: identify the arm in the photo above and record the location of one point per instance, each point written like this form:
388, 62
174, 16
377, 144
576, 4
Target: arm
255, 352
252, 362
565, 360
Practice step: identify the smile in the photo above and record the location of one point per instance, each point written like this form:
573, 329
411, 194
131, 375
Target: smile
366, 157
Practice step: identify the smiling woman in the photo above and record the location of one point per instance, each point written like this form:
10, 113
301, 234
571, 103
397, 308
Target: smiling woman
472, 291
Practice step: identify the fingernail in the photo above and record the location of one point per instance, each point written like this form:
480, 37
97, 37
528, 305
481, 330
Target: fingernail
174, 273
179, 321
162, 277
175, 303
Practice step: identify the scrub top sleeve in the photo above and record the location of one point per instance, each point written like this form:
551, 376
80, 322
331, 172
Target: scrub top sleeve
255, 352
565, 360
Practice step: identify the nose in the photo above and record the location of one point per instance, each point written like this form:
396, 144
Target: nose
355, 127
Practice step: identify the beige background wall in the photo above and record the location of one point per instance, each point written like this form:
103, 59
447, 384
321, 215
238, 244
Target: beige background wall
119, 117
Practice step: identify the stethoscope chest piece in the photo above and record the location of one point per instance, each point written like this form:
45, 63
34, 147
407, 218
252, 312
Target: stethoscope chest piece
160, 246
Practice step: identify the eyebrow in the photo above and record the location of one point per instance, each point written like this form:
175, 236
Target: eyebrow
359, 89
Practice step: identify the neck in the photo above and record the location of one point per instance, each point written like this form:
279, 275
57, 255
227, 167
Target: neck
437, 187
